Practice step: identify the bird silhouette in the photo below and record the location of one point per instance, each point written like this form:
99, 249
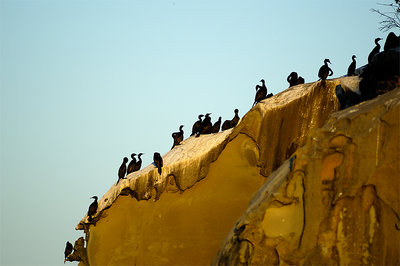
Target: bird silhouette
122, 169
68, 250
196, 126
325, 70
261, 92
374, 51
92, 208
206, 125
138, 164
352, 67
231, 123
292, 79
216, 126
131, 164
177, 136
158, 161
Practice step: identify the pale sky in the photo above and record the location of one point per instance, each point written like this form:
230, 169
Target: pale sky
85, 83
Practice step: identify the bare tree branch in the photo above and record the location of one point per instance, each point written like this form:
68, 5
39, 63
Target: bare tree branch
390, 19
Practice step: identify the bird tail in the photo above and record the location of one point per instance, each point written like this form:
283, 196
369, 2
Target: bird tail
159, 170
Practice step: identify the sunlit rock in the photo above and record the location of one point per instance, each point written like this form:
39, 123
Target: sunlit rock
337, 204
183, 215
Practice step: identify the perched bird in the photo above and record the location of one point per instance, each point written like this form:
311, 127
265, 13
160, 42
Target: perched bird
122, 169
374, 51
92, 208
292, 79
325, 70
68, 250
196, 126
261, 92
158, 162
206, 125
132, 163
177, 136
216, 126
138, 164
231, 123
300, 80
352, 68
235, 119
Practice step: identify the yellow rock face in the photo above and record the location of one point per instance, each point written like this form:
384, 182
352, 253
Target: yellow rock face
171, 229
344, 207
301, 211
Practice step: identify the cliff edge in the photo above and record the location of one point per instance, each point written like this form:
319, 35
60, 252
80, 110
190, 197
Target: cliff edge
314, 171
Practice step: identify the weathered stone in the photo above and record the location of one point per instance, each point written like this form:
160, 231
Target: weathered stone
351, 220
300, 209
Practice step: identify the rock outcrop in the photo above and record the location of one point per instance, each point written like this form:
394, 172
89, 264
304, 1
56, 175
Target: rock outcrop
301, 212
336, 202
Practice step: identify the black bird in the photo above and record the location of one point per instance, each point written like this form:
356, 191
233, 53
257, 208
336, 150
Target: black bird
68, 250
216, 126
122, 169
196, 126
177, 136
325, 70
352, 68
235, 119
132, 163
158, 161
138, 164
300, 80
261, 92
374, 51
92, 208
206, 125
292, 79
231, 123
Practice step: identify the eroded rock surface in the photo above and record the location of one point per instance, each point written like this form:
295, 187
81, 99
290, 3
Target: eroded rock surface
183, 215
337, 204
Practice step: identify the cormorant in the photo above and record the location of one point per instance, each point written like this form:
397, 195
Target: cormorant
300, 80
158, 161
352, 68
292, 79
206, 125
92, 208
68, 250
216, 126
231, 123
325, 70
261, 92
177, 136
138, 164
374, 51
196, 126
235, 119
122, 169
131, 165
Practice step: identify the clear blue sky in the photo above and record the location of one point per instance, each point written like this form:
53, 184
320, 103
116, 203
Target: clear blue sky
85, 83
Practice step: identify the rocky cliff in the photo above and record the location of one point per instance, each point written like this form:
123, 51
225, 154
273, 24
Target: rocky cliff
323, 187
